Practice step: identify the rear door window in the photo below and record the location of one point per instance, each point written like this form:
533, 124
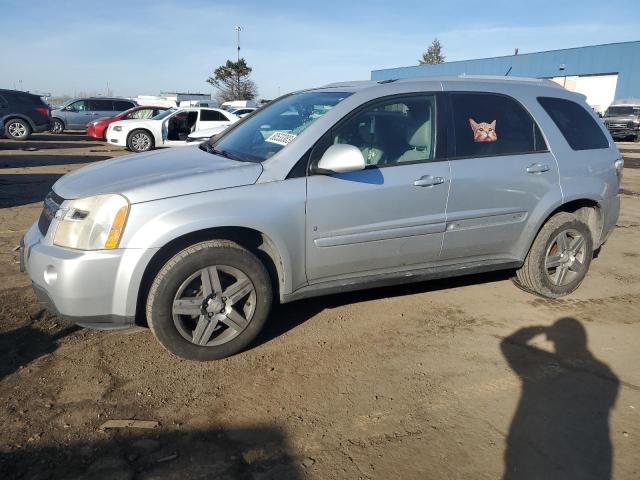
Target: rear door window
576, 124
487, 124
212, 116
100, 105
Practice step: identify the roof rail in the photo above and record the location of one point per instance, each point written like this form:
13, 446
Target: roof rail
501, 77
353, 83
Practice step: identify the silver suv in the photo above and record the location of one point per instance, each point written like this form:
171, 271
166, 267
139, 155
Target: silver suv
344, 187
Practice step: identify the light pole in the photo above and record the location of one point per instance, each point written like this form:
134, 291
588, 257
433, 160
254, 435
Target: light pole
238, 29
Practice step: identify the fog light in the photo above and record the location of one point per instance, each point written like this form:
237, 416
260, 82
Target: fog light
50, 275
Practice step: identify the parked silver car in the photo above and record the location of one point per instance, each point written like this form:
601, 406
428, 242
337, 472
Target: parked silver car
75, 114
349, 186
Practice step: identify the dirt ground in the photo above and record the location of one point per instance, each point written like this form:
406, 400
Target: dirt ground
427, 381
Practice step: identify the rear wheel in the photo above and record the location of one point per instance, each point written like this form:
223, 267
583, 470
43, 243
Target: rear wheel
559, 257
17, 129
209, 301
140, 141
57, 126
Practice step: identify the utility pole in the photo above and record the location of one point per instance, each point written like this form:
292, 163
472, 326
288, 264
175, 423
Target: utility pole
238, 29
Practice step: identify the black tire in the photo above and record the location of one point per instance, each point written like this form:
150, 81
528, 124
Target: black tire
57, 126
135, 141
535, 277
17, 129
172, 330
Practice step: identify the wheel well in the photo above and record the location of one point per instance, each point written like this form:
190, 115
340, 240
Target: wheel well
60, 120
256, 242
19, 117
588, 211
153, 140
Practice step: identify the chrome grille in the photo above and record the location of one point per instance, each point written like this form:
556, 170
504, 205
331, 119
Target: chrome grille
52, 203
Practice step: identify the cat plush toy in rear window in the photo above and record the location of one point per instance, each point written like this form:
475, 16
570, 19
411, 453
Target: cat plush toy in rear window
483, 132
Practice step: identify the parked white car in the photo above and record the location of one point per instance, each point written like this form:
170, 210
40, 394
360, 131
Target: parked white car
168, 129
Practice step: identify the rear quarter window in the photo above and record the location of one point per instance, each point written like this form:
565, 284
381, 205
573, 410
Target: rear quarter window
576, 124
122, 105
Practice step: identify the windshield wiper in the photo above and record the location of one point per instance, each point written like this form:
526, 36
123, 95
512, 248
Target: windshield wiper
223, 153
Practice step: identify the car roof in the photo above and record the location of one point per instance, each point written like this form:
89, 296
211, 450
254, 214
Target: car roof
140, 107
471, 80
103, 98
196, 107
20, 92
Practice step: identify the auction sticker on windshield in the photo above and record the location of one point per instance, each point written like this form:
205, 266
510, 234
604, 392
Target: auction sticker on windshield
281, 138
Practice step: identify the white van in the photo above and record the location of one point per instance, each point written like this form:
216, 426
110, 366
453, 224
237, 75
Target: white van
199, 103
237, 104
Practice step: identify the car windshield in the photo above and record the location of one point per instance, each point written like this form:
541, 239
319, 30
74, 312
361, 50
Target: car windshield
623, 111
270, 129
164, 114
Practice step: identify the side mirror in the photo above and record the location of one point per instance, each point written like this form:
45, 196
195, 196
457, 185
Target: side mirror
70, 109
341, 158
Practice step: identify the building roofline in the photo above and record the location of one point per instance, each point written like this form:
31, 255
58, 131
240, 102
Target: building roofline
511, 56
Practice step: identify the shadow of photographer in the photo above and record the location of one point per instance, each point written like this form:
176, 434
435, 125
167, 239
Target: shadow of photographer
561, 427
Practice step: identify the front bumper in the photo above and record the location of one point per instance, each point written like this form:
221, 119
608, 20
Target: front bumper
92, 132
624, 132
91, 288
116, 138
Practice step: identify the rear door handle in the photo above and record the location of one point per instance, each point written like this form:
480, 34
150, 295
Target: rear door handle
428, 181
537, 168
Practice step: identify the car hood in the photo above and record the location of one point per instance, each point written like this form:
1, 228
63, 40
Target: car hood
162, 174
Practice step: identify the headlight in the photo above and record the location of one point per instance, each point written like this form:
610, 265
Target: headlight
92, 223
117, 128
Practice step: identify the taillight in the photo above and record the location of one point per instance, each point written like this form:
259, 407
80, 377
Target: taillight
43, 110
619, 165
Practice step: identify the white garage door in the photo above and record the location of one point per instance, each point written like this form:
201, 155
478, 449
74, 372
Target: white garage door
600, 90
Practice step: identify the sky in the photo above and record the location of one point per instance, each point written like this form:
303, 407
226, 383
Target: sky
143, 47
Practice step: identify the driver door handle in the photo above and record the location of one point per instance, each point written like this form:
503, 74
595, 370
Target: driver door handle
537, 168
428, 181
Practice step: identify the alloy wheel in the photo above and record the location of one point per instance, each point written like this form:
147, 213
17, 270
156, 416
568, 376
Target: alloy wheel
565, 257
141, 142
57, 127
17, 130
214, 305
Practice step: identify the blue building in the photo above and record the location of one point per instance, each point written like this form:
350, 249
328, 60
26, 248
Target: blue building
601, 72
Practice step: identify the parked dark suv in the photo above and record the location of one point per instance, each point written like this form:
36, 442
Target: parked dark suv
23, 113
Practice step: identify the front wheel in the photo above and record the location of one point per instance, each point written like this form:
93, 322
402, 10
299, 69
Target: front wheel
17, 129
209, 301
57, 126
559, 257
140, 141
